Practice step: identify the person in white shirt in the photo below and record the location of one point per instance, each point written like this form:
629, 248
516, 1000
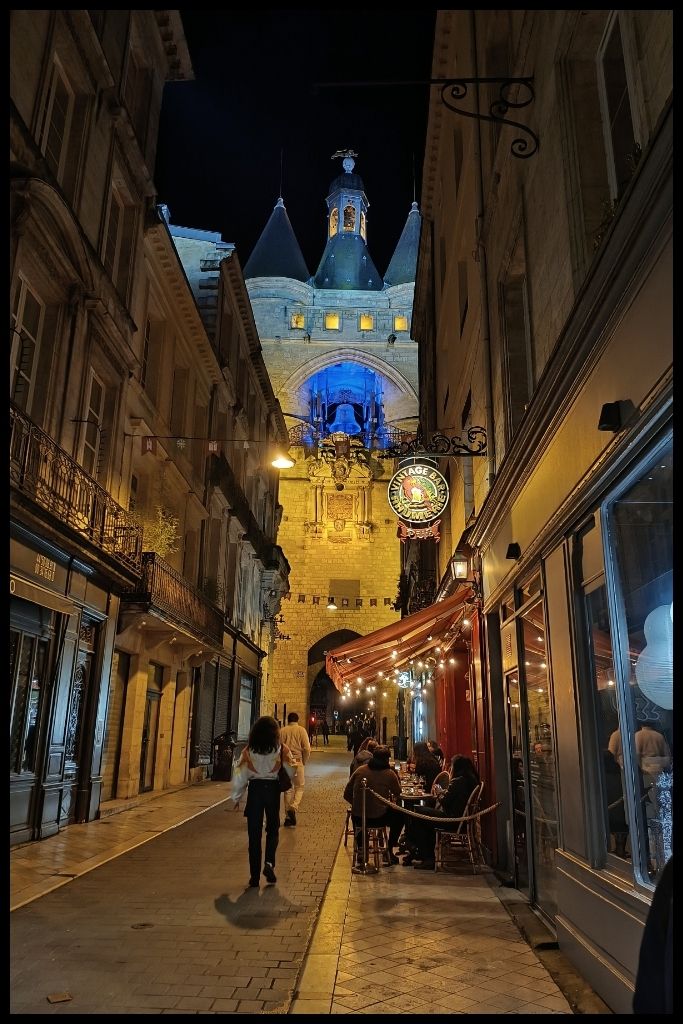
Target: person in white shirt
296, 738
257, 774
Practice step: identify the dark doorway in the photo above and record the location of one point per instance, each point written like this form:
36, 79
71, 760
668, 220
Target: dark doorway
150, 728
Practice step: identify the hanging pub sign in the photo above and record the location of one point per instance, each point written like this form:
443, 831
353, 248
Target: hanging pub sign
418, 494
405, 532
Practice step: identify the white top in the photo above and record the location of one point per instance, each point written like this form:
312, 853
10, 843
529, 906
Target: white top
266, 766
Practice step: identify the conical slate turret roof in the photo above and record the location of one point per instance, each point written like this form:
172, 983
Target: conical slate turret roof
277, 252
347, 264
401, 269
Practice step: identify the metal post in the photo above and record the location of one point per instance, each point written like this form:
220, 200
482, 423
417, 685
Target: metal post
365, 868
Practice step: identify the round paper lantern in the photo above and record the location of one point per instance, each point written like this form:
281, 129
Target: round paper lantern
654, 667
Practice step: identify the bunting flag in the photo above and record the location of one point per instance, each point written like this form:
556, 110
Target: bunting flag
149, 444
345, 602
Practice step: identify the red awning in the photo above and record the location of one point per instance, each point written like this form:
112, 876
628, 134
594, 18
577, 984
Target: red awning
420, 633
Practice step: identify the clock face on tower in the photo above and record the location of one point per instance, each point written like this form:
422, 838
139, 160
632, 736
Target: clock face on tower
334, 221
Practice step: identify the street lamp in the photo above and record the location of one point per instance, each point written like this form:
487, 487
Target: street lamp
331, 606
282, 461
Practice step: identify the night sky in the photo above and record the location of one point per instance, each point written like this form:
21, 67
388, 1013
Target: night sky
254, 94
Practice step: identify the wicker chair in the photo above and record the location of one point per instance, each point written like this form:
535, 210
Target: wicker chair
440, 782
464, 839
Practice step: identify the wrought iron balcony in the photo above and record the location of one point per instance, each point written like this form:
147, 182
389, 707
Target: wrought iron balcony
165, 591
44, 473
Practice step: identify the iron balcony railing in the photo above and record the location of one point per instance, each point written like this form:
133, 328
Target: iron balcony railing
164, 590
44, 473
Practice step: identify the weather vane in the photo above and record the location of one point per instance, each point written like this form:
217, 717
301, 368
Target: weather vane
347, 156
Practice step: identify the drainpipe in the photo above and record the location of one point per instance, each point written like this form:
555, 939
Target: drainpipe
481, 260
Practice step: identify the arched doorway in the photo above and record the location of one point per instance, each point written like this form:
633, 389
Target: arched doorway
325, 701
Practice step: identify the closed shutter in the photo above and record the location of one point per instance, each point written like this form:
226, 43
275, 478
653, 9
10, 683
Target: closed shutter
222, 720
207, 703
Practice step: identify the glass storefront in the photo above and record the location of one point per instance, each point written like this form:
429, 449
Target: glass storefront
638, 538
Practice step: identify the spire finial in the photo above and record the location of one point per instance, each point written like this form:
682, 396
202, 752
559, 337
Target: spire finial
414, 188
281, 158
347, 155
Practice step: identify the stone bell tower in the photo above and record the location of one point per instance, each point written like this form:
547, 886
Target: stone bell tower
338, 350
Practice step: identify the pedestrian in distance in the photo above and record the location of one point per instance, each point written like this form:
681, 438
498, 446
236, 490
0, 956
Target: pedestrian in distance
295, 737
326, 733
257, 775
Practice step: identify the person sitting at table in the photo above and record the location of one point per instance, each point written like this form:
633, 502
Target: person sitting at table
383, 780
421, 835
436, 751
365, 752
425, 764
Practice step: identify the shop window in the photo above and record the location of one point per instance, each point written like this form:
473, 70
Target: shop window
400, 323
247, 688
540, 757
367, 322
28, 659
332, 322
297, 321
638, 531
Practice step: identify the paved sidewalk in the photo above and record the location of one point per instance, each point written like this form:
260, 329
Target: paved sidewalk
158, 920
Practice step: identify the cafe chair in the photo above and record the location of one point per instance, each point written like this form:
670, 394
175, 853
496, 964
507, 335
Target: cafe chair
378, 847
349, 828
439, 783
465, 839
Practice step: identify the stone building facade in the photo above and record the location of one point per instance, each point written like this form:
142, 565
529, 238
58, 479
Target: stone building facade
143, 556
542, 311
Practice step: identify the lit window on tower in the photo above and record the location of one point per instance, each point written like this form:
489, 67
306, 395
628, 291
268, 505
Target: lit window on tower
334, 221
400, 323
367, 322
363, 225
349, 218
297, 321
332, 322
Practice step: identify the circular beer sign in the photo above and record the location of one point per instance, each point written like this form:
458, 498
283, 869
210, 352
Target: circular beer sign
418, 494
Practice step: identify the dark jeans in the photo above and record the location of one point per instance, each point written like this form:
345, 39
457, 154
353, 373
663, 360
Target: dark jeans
421, 835
263, 796
391, 818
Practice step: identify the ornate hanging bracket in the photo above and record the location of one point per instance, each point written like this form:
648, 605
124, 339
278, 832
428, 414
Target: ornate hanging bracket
438, 445
454, 91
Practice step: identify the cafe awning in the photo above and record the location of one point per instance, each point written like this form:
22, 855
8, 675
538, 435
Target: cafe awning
416, 634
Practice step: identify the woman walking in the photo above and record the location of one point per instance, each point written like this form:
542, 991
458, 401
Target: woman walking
257, 773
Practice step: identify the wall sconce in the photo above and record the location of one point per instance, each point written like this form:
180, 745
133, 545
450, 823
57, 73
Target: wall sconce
610, 417
514, 551
307, 337
391, 339
331, 606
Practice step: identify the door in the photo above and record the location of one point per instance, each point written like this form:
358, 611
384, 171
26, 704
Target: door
519, 802
28, 668
150, 727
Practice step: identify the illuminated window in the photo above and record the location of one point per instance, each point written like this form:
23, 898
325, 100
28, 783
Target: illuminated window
349, 218
334, 221
363, 225
400, 323
332, 322
367, 322
297, 320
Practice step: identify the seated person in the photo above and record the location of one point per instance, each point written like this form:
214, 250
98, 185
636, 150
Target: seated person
421, 835
436, 751
425, 764
365, 752
382, 780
